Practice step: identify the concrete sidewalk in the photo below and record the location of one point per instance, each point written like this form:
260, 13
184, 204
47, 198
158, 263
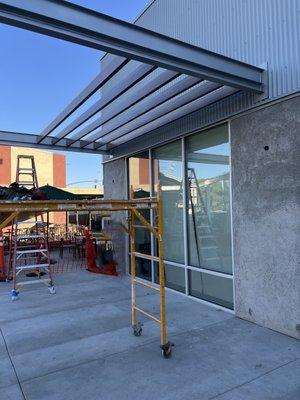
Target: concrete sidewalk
78, 345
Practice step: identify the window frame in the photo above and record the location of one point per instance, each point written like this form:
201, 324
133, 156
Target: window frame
186, 265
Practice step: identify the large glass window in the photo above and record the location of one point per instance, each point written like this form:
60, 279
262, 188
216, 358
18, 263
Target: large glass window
209, 228
197, 192
212, 288
167, 170
174, 277
139, 175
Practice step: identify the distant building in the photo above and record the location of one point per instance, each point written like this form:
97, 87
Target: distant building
87, 193
50, 168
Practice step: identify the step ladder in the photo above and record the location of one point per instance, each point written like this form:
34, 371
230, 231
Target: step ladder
29, 253
29, 261
26, 168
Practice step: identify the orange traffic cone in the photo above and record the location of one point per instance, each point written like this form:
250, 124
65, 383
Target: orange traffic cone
2, 259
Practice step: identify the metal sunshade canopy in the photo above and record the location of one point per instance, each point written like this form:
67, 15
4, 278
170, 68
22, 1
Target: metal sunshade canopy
171, 79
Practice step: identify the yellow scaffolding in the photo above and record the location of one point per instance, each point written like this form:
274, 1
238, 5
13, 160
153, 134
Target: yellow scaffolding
9, 210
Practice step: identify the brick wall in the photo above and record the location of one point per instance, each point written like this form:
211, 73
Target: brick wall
59, 170
5, 165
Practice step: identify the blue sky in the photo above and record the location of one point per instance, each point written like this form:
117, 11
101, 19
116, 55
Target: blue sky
40, 75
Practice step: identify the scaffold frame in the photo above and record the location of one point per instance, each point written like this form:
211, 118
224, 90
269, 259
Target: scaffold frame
13, 209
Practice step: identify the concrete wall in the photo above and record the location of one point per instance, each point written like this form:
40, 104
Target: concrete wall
265, 211
115, 184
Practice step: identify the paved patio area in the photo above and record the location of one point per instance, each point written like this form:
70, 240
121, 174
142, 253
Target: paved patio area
78, 345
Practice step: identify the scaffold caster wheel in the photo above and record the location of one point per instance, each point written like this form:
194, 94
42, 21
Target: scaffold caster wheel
52, 289
166, 350
14, 295
137, 329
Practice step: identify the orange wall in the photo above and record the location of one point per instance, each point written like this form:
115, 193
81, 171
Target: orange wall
5, 165
59, 170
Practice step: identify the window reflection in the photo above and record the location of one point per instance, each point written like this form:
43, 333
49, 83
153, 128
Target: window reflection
207, 191
174, 277
139, 175
214, 289
167, 167
209, 200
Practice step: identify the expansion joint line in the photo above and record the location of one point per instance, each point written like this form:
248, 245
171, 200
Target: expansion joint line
254, 379
12, 364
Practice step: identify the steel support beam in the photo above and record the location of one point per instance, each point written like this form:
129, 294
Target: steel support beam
30, 140
182, 111
132, 79
96, 84
113, 112
164, 109
70, 22
131, 118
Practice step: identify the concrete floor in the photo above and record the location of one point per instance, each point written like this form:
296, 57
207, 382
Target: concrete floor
78, 345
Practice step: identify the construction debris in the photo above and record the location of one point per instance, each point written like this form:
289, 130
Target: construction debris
16, 192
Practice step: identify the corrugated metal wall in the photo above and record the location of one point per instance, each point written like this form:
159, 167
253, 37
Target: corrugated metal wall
190, 123
253, 31
258, 32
